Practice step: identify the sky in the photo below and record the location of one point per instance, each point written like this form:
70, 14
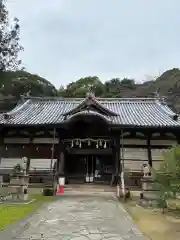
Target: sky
65, 40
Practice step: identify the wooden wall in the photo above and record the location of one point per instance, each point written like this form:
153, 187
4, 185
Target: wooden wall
133, 147
134, 152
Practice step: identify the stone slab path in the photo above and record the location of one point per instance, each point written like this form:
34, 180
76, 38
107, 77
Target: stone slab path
81, 218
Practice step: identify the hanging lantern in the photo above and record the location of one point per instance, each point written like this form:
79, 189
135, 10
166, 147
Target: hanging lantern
89, 142
77, 142
72, 144
100, 143
37, 149
105, 145
97, 145
6, 148
80, 144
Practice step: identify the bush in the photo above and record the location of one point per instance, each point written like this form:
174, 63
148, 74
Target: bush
168, 177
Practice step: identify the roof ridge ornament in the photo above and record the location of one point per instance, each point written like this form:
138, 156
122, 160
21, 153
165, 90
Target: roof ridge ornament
28, 94
157, 94
6, 116
159, 97
89, 102
90, 94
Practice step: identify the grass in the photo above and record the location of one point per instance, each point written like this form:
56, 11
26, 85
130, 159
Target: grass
11, 213
153, 223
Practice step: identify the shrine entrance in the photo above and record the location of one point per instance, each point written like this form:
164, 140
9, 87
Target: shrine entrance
89, 149
89, 168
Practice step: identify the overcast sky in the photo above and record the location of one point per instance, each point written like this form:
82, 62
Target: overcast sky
68, 39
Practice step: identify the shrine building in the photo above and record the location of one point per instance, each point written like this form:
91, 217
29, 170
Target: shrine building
86, 140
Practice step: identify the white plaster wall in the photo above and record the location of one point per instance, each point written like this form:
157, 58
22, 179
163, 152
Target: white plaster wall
35, 140
163, 142
16, 140
134, 158
41, 164
158, 157
9, 162
46, 140
134, 153
133, 142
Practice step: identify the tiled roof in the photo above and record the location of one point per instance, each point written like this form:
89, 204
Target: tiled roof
147, 112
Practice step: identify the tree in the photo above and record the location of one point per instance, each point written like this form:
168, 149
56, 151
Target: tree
129, 83
23, 83
61, 91
168, 177
9, 41
112, 87
82, 86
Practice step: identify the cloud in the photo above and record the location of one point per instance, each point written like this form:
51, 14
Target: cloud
66, 39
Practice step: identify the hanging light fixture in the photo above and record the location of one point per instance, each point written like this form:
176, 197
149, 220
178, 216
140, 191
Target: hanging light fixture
77, 142
80, 144
89, 142
97, 145
100, 143
105, 145
6, 148
72, 143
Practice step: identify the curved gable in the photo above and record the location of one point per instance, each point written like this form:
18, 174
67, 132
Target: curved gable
90, 104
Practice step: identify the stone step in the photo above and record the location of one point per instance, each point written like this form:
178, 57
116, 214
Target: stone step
90, 188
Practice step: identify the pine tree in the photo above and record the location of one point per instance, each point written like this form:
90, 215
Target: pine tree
9, 41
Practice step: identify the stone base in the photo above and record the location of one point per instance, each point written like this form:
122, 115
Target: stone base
148, 203
19, 179
22, 197
149, 196
18, 186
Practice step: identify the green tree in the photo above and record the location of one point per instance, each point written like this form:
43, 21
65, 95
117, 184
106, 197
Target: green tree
112, 87
61, 91
9, 41
167, 178
116, 87
23, 83
82, 86
129, 83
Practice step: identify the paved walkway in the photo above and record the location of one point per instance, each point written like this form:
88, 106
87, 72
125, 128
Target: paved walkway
81, 218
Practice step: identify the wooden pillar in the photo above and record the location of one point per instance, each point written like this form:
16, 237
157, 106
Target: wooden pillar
117, 155
29, 153
114, 155
1, 145
61, 159
149, 151
61, 163
177, 137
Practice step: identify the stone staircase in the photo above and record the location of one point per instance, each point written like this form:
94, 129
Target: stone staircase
97, 188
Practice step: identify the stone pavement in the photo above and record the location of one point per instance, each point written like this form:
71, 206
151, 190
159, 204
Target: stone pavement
80, 218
